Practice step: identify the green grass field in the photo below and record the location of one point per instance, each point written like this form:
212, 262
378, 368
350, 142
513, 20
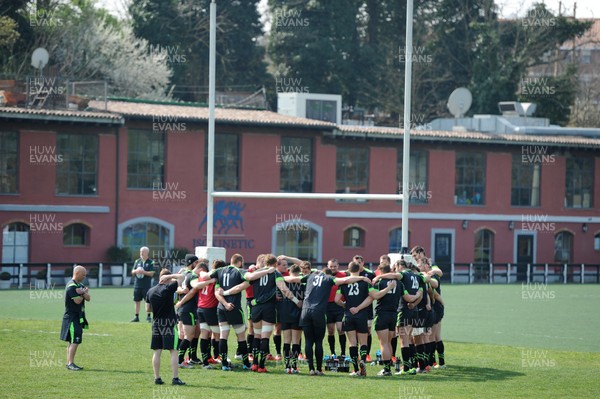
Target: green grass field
501, 341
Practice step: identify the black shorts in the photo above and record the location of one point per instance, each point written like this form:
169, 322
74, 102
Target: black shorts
139, 294
370, 312
291, 326
72, 329
438, 308
406, 317
385, 321
208, 316
313, 318
427, 316
420, 318
165, 335
187, 317
233, 318
335, 313
358, 323
264, 312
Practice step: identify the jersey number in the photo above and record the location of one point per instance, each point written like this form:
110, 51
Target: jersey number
205, 290
353, 289
415, 282
226, 280
263, 281
318, 280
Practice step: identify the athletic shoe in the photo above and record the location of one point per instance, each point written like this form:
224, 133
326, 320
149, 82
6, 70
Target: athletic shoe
270, 358
135, 319
409, 372
288, 370
333, 356
393, 359
312, 372
158, 381
363, 368
149, 319
225, 368
246, 368
319, 372
184, 365
194, 361
177, 381
278, 357
427, 368
212, 361
254, 367
421, 371
208, 367
294, 371
301, 357
238, 357
262, 370
384, 373
74, 367
439, 366
368, 359
354, 374
250, 358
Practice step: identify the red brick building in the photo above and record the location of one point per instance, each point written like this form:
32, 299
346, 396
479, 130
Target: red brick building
74, 183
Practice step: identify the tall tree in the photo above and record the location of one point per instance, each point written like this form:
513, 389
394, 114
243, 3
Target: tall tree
181, 28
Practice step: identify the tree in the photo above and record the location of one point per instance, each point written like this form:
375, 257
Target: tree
181, 28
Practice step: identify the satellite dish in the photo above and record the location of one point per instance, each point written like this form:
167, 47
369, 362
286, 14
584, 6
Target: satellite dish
459, 102
39, 58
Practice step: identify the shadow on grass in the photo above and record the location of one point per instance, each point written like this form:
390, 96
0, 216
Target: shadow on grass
472, 374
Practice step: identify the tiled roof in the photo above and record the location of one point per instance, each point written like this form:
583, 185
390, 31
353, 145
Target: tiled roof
58, 115
222, 115
456, 136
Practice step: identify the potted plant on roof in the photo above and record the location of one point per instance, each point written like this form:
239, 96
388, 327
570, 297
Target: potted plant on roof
5, 280
117, 256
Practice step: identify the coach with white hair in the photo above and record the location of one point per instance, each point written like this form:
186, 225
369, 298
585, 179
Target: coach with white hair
142, 272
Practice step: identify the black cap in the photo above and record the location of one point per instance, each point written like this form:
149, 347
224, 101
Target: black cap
189, 259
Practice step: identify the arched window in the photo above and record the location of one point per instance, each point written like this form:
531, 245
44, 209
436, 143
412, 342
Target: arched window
148, 233
563, 247
15, 243
76, 235
597, 242
354, 237
484, 246
302, 240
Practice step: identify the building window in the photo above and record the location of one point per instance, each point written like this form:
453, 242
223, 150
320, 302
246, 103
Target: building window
597, 242
78, 172
15, 243
395, 240
76, 235
295, 157
354, 237
352, 170
470, 179
322, 110
9, 161
484, 245
417, 181
145, 159
579, 183
526, 176
151, 235
563, 247
227, 157
303, 243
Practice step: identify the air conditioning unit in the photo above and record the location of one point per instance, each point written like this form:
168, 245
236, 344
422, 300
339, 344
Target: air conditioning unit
323, 107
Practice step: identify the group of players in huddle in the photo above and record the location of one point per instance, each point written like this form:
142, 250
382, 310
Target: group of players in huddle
286, 297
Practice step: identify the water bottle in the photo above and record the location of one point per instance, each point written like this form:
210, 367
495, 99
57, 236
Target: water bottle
378, 357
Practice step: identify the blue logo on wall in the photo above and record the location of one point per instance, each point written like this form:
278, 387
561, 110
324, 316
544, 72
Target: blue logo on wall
227, 216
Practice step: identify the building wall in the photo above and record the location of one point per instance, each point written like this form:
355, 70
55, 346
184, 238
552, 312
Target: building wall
259, 171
